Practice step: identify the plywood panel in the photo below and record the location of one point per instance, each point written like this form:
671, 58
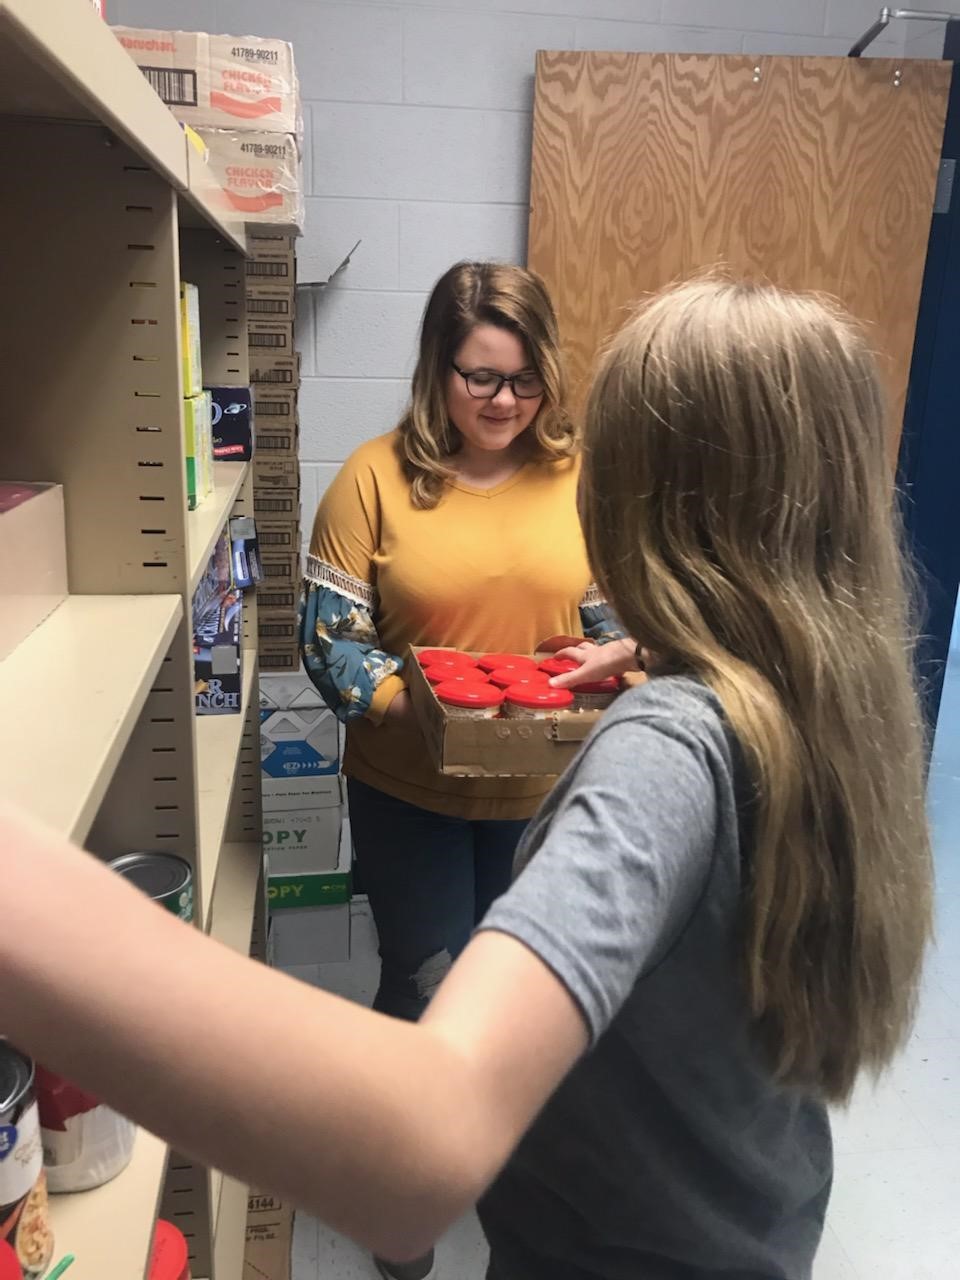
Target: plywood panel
816, 173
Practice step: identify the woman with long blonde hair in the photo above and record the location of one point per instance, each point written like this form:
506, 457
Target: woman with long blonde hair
720, 912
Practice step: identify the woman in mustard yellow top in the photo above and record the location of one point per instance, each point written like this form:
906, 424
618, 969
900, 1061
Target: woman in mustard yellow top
458, 529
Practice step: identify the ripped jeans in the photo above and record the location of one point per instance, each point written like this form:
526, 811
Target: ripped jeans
430, 879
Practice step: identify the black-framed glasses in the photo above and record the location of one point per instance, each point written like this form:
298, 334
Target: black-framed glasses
485, 384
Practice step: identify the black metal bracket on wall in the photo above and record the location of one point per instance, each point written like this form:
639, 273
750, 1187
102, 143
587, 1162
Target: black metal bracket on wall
929, 466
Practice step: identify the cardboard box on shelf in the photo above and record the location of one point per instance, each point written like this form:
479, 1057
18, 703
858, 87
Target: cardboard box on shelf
274, 406
272, 267
260, 175
279, 538
190, 339
198, 447
271, 302
33, 558
276, 661
277, 438
269, 1242
232, 423
219, 81
280, 569
267, 368
277, 504
284, 595
467, 747
271, 472
271, 335
277, 624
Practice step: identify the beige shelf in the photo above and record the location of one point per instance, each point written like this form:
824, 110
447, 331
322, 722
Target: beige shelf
234, 895
205, 524
110, 1230
230, 1232
71, 694
218, 749
59, 61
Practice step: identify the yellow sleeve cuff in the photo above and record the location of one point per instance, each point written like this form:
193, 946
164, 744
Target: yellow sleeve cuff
385, 693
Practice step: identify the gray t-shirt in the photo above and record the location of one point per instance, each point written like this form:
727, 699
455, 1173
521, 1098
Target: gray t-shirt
669, 1152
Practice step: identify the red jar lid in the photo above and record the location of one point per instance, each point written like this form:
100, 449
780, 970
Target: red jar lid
559, 666
429, 657
9, 1266
539, 697
608, 685
463, 694
504, 677
169, 1259
462, 675
494, 661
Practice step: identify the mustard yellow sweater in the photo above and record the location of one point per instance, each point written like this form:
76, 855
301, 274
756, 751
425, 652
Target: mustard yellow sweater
493, 569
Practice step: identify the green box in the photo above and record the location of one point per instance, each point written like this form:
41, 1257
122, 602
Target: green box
190, 339
310, 889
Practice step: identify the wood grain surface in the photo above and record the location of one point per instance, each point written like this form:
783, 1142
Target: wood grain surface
815, 173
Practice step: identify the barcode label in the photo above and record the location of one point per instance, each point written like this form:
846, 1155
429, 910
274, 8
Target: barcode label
278, 444
273, 376
280, 270
277, 630
275, 506
276, 599
279, 661
274, 340
275, 538
268, 306
176, 88
272, 409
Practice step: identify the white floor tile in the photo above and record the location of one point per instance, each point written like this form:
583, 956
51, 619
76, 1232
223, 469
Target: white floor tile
895, 1214
833, 1262
878, 1119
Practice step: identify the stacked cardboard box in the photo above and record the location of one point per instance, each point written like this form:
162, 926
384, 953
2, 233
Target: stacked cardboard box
241, 95
275, 378
308, 860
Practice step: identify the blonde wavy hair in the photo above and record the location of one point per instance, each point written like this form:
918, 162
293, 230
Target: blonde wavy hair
473, 293
737, 506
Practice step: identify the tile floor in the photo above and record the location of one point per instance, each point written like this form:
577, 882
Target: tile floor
894, 1213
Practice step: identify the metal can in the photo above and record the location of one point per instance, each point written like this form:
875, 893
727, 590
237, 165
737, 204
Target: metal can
163, 877
24, 1212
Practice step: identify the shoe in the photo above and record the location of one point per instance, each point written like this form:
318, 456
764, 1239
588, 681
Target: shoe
424, 1268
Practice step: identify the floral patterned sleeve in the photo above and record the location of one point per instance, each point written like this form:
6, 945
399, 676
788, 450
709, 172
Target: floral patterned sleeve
339, 641
599, 621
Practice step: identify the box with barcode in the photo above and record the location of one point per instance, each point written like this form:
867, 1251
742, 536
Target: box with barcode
220, 81
277, 504
276, 624
275, 336
269, 302
278, 595
274, 407
278, 536
270, 368
282, 439
260, 176
281, 570
273, 267
275, 473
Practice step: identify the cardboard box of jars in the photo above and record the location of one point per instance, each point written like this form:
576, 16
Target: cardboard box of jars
470, 745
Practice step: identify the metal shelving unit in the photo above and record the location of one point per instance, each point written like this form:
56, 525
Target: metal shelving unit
106, 209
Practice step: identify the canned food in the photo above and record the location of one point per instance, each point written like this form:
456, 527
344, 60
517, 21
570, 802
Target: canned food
24, 1213
470, 701
531, 701
163, 877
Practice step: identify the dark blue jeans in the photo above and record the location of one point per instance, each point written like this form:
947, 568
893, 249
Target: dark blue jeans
430, 880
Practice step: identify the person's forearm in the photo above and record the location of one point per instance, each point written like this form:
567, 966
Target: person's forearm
275, 1082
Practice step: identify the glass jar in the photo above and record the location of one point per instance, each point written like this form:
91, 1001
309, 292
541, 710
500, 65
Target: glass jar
504, 677
535, 701
595, 695
464, 701
506, 661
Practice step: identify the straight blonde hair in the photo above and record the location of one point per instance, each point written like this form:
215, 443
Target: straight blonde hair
473, 293
738, 512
